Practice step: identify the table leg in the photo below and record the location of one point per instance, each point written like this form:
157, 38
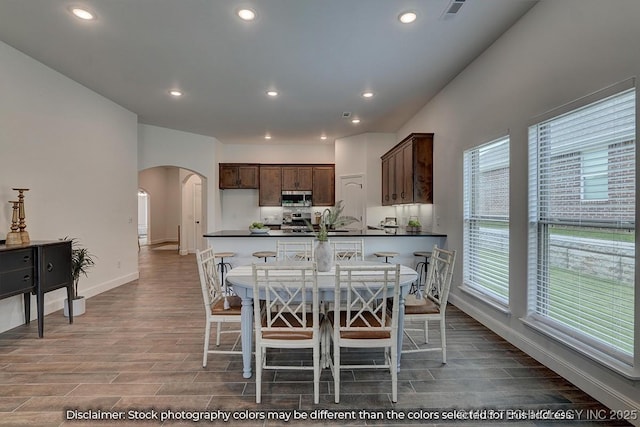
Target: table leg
246, 329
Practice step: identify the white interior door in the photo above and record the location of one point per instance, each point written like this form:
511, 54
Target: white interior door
352, 193
197, 215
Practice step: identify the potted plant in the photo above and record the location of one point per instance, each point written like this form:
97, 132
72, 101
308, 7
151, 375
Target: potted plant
81, 261
414, 226
330, 219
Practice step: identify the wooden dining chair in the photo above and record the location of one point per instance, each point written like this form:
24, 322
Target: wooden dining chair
368, 297
219, 306
294, 251
431, 304
291, 317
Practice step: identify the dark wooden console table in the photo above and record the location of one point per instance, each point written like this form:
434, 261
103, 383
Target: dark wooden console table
38, 267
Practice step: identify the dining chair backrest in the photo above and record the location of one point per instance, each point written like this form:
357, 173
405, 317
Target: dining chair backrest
439, 276
209, 280
294, 251
290, 294
366, 296
348, 250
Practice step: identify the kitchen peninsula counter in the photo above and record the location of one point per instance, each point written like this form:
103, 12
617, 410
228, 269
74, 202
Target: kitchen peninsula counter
244, 243
391, 232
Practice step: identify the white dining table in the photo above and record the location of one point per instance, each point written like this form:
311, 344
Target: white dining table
240, 278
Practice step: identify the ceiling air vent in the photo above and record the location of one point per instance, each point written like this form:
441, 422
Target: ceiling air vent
452, 9
346, 115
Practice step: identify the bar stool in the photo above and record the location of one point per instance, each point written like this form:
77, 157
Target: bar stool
264, 254
421, 268
386, 255
224, 266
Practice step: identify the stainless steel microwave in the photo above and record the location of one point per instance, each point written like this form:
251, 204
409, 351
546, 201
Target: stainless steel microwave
296, 198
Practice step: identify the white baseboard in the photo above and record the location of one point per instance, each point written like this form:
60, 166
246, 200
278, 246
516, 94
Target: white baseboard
577, 376
54, 301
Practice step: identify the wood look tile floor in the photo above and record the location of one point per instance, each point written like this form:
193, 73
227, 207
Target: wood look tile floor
139, 348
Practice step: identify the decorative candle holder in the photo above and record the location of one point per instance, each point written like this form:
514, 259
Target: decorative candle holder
24, 234
13, 237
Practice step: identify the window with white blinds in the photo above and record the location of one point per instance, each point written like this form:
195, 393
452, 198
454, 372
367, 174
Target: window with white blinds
486, 220
582, 225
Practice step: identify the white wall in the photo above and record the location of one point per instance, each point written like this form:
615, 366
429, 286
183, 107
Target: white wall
558, 52
167, 147
77, 152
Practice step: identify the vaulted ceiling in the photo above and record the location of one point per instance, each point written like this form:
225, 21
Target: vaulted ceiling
319, 55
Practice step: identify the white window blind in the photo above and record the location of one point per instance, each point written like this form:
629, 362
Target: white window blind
486, 220
582, 224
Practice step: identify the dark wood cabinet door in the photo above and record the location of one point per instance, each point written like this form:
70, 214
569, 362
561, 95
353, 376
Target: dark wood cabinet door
305, 179
297, 178
423, 169
386, 192
270, 186
248, 176
238, 175
228, 176
289, 178
406, 195
324, 186
396, 177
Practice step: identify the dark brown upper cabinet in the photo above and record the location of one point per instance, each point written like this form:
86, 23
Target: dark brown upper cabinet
270, 193
324, 186
297, 178
239, 175
407, 171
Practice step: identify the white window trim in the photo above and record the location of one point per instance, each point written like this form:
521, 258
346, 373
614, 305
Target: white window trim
628, 368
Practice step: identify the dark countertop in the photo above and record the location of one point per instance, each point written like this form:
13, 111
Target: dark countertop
396, 232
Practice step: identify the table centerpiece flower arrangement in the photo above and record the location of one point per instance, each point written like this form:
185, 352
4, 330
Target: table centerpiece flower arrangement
330, 219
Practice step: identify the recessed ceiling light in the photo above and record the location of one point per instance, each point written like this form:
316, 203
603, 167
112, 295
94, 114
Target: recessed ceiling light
367, 94
355, 121
407, 17
82, 14
272, 93
175, 92
246, 14
267, 137
323, 137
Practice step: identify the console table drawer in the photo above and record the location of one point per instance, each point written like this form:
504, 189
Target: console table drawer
17, 282
14, 260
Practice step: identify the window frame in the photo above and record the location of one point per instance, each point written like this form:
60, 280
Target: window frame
538, 244
473, 217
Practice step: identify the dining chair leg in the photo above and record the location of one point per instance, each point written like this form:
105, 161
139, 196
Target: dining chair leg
258, 374
316, 374
443, 339
394, 375
336, 373
218, 333
207, 334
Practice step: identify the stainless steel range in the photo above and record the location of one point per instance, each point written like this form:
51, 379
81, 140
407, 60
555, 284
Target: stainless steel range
293, 219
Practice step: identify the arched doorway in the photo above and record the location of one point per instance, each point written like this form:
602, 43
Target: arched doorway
176, 207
